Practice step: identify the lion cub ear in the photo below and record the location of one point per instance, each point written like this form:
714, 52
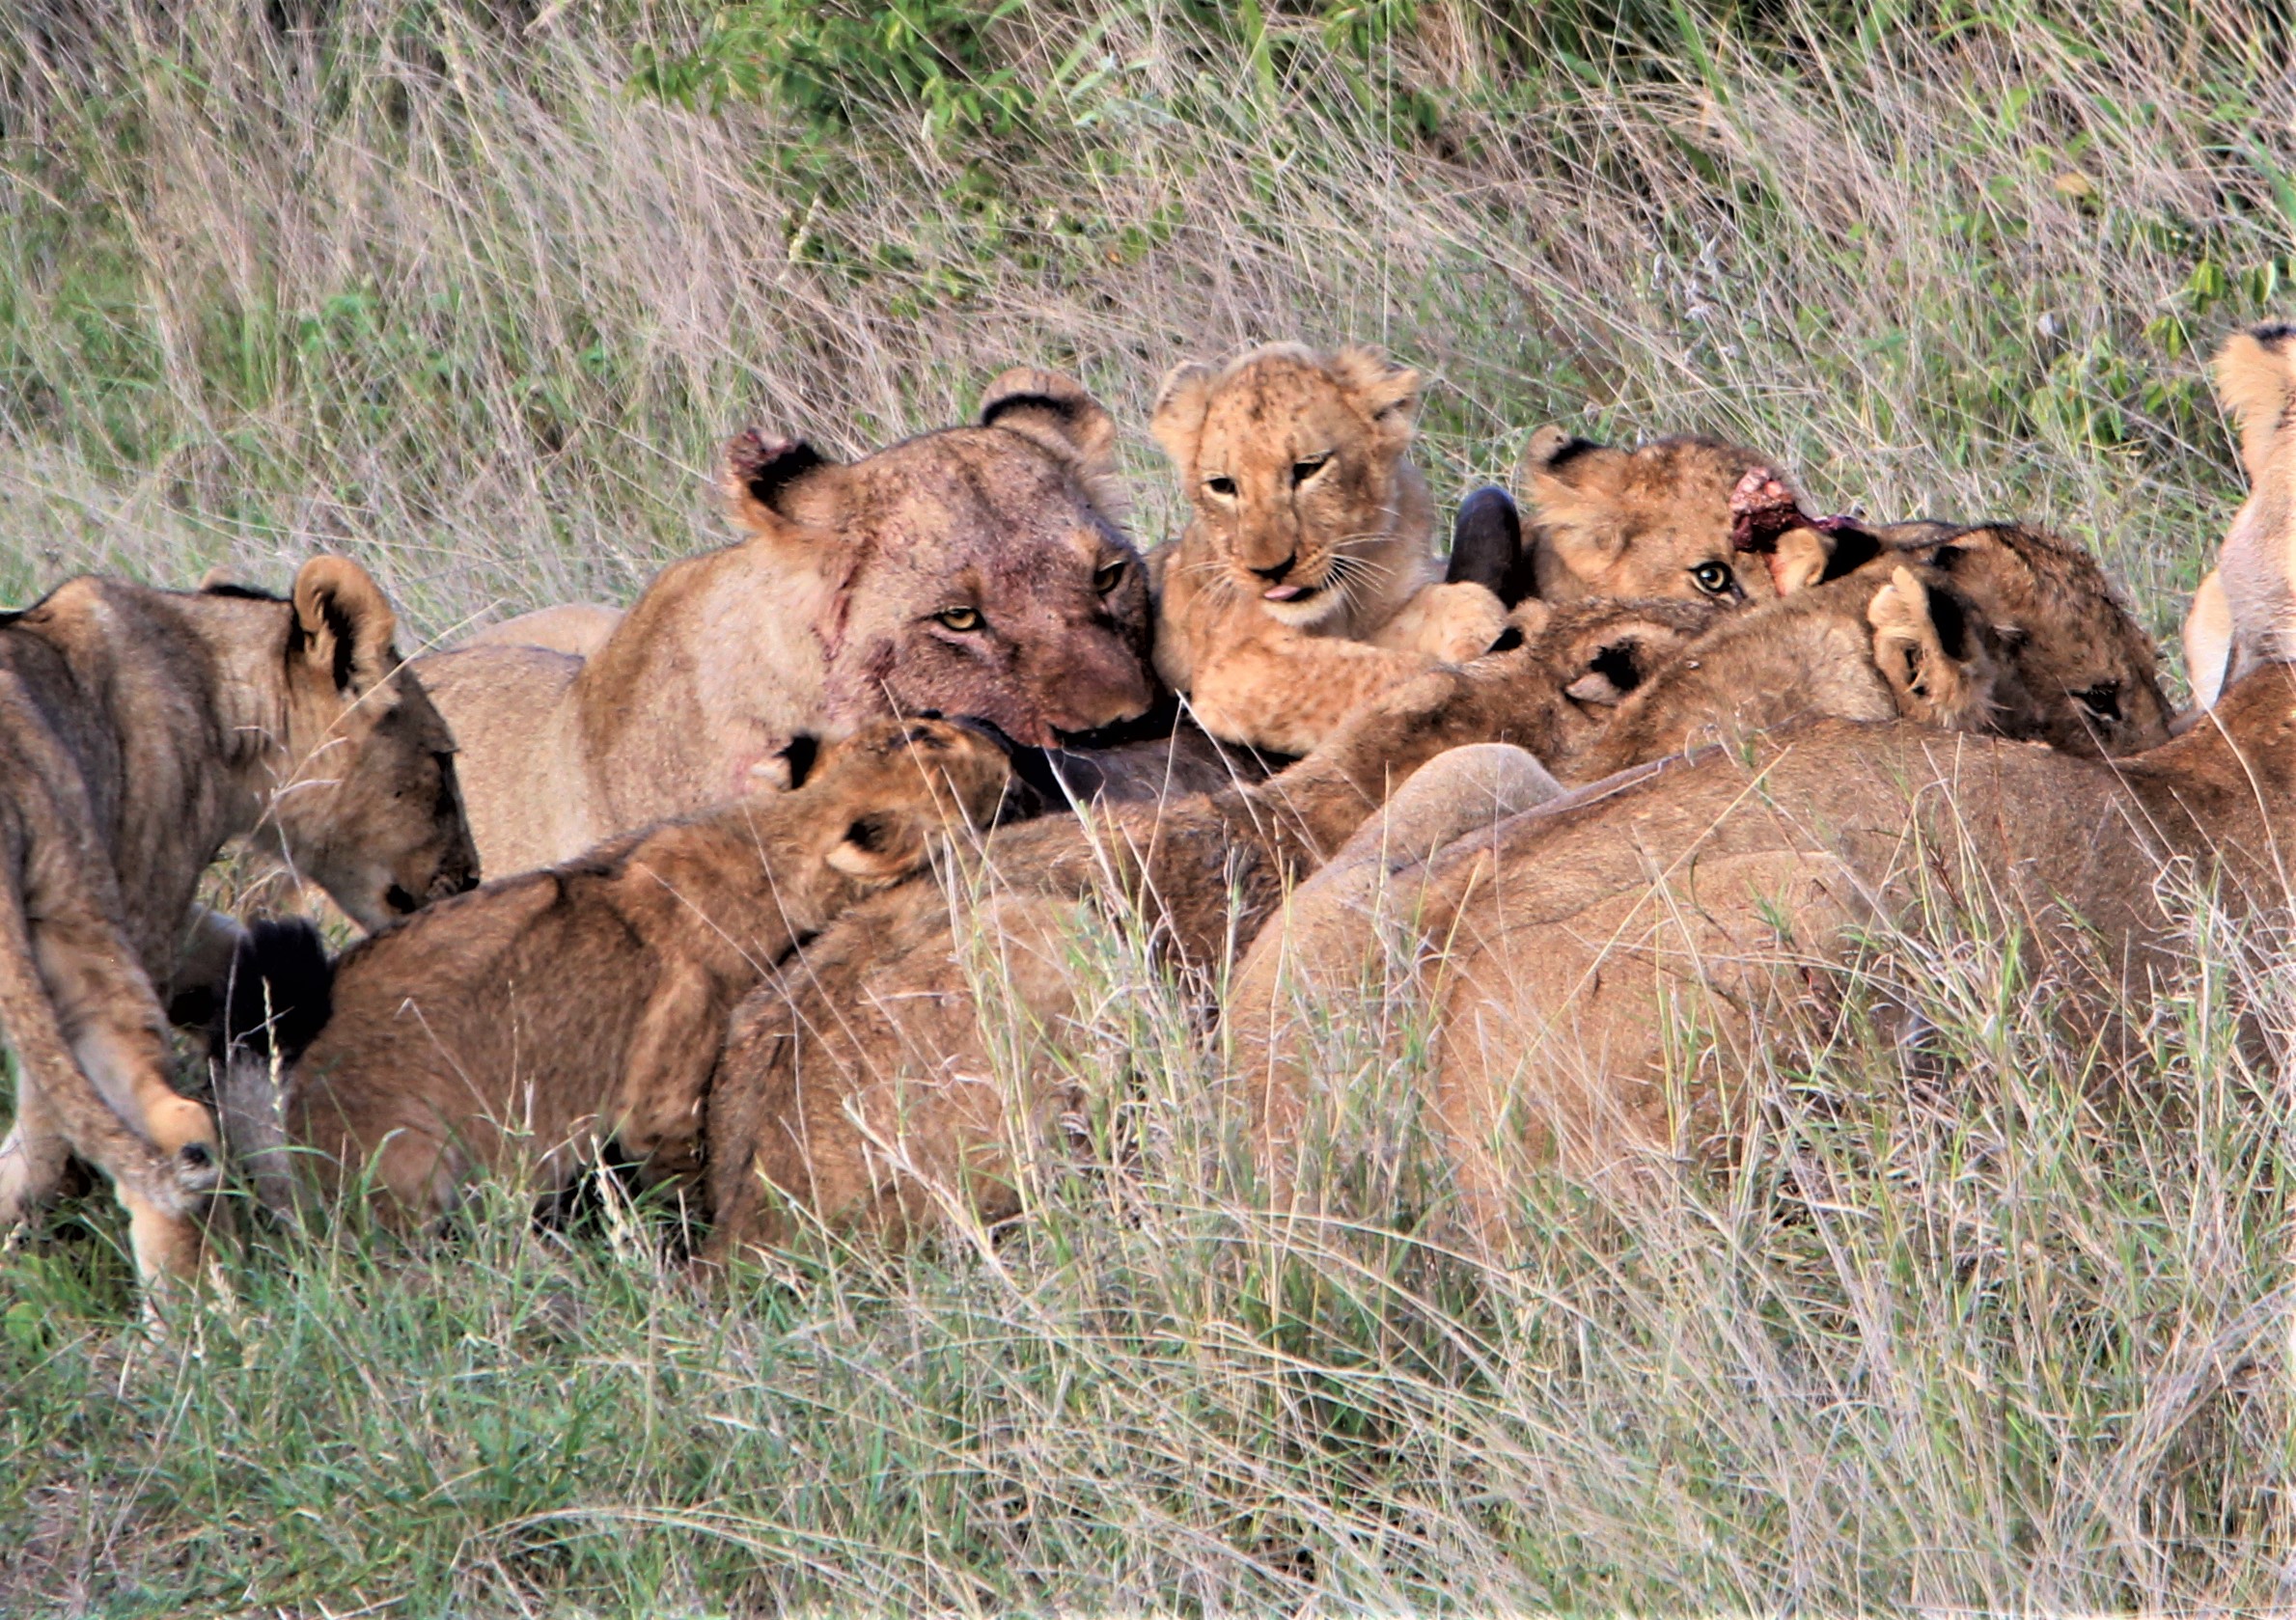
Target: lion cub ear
343, 625
1055, 411
1631, 653
1182, 400
1551, 450
1386, 393
1573, 487
770, 483
880, 847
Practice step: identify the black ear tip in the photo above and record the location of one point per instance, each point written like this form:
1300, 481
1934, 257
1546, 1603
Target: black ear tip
1508, 640
1067, 410
1551, 450
765, 467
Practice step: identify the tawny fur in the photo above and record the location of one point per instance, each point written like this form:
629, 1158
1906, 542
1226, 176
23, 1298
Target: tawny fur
2245, 613
139, 732
1305, 584
1561, 956
1653, 521
576, 629
1995, 629
976, 572
518, 1028
2208, 640
855, 1083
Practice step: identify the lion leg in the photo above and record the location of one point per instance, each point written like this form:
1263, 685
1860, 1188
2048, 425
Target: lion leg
1291, 695
35, 1157
1453, 621
666, 1071
117, 1033
87, 1035
2208, 640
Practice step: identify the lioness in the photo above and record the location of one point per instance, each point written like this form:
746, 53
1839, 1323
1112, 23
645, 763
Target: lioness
1304, 583
1725, 887
554, 1010
976, 572
139, 730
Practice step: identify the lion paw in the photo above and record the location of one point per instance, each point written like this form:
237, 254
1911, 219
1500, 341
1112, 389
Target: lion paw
1927, 651
1453, 622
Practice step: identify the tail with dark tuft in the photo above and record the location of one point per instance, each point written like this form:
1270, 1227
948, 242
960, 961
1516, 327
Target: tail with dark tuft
280, 991
276, 1000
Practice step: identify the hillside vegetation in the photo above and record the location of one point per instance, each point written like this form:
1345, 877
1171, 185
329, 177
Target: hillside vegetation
474, 292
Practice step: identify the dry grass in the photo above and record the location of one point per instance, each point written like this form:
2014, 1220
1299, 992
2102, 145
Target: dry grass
431, 285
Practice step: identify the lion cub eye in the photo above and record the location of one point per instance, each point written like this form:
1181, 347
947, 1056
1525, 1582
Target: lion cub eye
1307, 467
1713, 578
1221, 486
962, 619
1108, 576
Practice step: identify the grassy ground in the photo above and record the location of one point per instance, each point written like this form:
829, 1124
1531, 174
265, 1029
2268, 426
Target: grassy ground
431, 283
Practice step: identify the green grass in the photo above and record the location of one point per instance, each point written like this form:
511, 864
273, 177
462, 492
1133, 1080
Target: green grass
431, 283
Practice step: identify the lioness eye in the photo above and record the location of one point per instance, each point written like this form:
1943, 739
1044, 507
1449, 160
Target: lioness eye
1713, 578
1108, 576
1304, 470
1221, 485
962, 619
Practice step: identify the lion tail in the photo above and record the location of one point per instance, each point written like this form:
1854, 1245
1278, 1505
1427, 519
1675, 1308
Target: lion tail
276, 1000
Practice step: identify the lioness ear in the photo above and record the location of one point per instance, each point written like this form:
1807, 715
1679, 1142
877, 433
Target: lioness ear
880, 846
1053, 410
1178, 422
343, 624
1383, 391
765, 478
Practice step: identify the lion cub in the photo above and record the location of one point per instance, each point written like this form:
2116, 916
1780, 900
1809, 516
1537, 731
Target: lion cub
1304, 584
527, 1023
141, 730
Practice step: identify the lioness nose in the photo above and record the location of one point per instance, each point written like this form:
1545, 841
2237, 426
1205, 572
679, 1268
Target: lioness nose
1274, 574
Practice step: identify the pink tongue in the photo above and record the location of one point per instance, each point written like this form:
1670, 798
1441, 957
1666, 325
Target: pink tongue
1282, 592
